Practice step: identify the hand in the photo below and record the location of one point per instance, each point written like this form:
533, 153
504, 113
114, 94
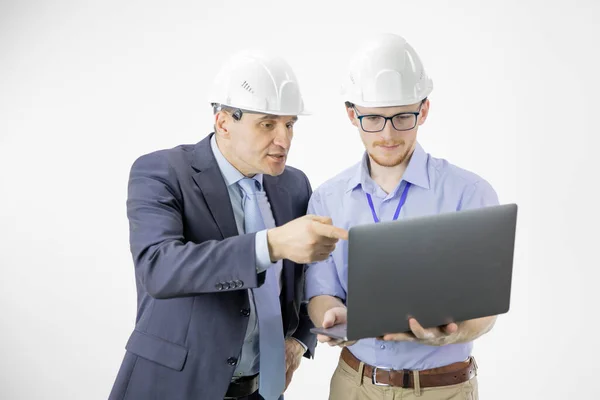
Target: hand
335, 316
305, 239
293, 355
438, 336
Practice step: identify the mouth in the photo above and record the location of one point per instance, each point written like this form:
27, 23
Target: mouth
389, 147
277, 157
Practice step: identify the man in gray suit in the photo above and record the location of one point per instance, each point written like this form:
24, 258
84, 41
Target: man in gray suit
219, 239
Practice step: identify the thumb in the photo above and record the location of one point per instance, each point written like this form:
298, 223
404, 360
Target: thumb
451, 328
329, 318
323, 220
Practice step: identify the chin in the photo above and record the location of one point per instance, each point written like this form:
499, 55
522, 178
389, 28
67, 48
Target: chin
275, 170
278, 171
387, 160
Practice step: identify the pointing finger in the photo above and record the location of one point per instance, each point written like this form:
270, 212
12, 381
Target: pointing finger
332, 232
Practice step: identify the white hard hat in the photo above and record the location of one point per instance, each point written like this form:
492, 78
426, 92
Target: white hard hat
254, 81
386, 71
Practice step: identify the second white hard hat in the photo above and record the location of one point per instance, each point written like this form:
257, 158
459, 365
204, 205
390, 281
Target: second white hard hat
252, 80
386, 71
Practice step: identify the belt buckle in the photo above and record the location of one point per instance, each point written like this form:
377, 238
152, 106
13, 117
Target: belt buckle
374, 377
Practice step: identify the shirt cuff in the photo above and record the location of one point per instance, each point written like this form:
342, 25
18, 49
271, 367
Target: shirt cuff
263, 259
303, 345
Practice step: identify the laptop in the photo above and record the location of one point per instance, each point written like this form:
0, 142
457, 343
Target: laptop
438, 269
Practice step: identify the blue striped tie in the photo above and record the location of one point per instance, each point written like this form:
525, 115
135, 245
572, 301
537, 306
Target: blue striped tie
266, 298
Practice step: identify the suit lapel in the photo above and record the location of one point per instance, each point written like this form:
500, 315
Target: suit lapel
210, 181
279, 200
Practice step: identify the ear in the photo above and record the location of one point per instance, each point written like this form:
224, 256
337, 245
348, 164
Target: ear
424, 112
222, 121
352, 116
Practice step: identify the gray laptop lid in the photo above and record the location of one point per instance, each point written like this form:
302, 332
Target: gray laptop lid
438, 269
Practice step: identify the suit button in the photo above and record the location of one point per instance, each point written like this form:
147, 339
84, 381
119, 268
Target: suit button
232, 361
239, 284
219, 286
245, 312
226, 285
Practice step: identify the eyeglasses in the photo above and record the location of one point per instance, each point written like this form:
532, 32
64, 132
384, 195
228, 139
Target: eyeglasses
404, 121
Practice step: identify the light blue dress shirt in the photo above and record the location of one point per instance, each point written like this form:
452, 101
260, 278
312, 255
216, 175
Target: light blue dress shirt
436, 187
248, 362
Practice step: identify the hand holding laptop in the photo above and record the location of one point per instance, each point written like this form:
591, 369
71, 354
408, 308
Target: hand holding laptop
436, 336
451, 258
334, 316
337, 317
461, 332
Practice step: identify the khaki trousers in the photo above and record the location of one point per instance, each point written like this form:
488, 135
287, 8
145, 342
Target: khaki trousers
348, 384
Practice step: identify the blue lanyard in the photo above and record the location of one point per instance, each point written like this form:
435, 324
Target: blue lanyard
400, 203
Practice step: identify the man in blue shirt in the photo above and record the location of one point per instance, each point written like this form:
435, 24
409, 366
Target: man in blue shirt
386, 99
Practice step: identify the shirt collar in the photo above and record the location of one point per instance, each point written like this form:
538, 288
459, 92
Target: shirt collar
416, 172
229, 172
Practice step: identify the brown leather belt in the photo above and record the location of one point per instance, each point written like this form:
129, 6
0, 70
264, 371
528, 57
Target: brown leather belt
443, 376
242, 387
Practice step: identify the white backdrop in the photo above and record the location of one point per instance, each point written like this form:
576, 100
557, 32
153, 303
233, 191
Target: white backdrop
86, 87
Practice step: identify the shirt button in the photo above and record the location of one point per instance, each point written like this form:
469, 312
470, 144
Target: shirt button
382, 346
232, 361
245, 312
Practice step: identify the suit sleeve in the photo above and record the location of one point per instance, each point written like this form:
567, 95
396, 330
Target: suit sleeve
305, 324
166, 263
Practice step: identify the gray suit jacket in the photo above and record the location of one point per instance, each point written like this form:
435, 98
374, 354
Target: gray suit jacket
193, 271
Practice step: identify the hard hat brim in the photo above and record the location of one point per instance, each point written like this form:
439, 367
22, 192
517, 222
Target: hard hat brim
304, 112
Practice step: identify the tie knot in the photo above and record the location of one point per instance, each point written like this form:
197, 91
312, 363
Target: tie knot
249, 185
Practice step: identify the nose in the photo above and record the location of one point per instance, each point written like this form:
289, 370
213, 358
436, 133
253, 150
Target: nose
388, 131
283, 136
